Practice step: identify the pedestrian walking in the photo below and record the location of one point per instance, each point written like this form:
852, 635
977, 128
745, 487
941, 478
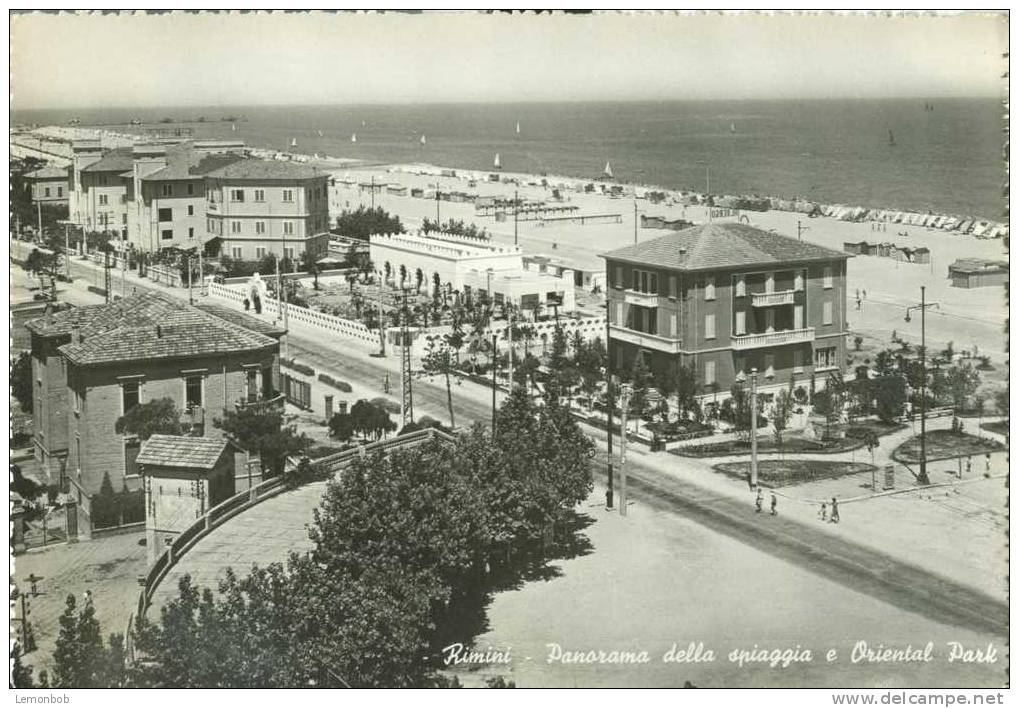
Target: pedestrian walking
824, 512
834, 510
759, 503
987, 465
969, 465
774, 504
258, 304
247, 304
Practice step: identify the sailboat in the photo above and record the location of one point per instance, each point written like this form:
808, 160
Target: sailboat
498, 163
293, 142
608, 170
732, 127
353, 138
320, 133
518, 127
233, 126
423, 140
891, 138
362, 124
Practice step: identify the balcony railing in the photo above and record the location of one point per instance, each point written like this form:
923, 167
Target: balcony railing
636, 297
783, 297
648, 341
772, 339
277, 399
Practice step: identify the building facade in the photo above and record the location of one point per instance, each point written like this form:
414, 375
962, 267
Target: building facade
465, 265
257, 207
48, 185
139, 349
725, 299
183, 477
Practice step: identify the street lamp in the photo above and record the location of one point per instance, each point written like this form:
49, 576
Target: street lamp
922, 477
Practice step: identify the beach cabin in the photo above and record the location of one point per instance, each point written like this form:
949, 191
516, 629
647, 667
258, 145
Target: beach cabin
975, 273
856, 248
396, 190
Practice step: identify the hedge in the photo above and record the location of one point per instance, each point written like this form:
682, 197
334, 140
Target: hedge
297, 366
330, 381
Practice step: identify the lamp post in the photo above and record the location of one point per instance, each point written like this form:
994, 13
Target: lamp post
609, 404
753, 428
624, 404
922, 477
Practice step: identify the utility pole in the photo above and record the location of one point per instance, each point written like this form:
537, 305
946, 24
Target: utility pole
38, 211
406, 382
510, 330
437, 221
800, 228
922, 477
106, 271
635, 220
67, 251
495, 366
609, 403
191, 299
516, 208
753, 427
624, 404
373, 192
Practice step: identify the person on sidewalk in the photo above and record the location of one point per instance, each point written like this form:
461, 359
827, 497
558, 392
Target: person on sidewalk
759, 502
969, 465
774, 504
987, 465
834, 510
824, 512
247, 304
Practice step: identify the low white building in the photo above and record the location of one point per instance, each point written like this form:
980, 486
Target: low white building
464, 265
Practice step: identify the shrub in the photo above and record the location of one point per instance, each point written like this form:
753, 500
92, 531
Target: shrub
297, 366
339, 385
386, 404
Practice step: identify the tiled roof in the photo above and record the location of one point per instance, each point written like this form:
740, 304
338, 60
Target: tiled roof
241, 319
721, 245
116, 160
267, 169
976, 265
182, 451
147, 326
48, 172
191, 164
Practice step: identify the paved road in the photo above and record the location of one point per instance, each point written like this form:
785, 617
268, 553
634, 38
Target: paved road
864, 569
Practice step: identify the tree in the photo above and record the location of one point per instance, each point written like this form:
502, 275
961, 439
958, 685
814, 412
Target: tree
266, 431
889, 396
962, 382
81, 659
681, 381
640, 380
1001, 401
158, 416
341, 426
21, 381
781, 413
364, 222
310, 265
419, 278
439, 360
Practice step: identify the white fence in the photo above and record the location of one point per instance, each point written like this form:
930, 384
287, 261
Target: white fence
304, 315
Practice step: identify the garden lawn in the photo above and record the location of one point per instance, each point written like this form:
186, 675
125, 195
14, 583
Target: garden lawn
945, 445
767, 444
779, 473
999, 426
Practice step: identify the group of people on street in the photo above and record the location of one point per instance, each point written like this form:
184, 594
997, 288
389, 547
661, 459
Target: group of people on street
823, 514
759, 504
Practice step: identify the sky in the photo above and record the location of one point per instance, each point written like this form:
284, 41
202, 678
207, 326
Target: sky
88, 61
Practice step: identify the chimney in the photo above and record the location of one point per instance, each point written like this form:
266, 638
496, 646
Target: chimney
159, 331
75, 335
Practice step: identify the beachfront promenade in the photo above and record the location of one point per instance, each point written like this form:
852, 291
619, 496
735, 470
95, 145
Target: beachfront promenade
909, 528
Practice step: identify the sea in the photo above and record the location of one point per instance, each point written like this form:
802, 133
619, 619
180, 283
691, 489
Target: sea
934, 154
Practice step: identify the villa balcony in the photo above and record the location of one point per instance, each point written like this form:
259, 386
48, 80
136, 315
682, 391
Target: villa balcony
636, 297
772, 339
783, 297
645, 340
277, 399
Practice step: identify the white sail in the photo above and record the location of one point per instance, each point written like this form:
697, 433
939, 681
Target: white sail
608, 170
498, 162
518, 128
362, 124
293, 142
233, 126
353, 138
423, 140
320, 133
732, 127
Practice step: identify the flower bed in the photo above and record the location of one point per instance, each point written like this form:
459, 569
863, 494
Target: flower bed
339, 385
945, 445
779, 473
766, 445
